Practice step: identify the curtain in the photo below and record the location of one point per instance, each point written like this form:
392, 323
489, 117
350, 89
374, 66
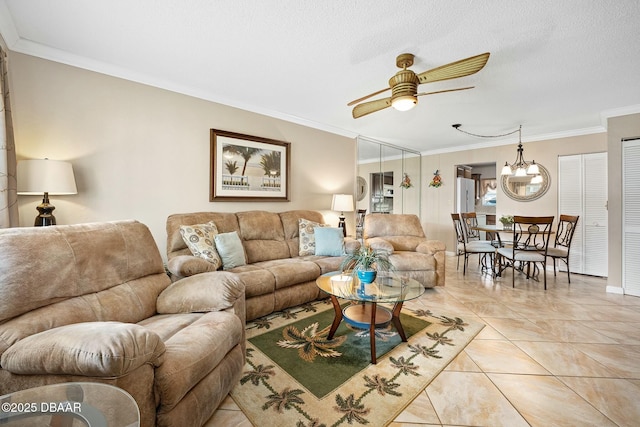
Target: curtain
8, 195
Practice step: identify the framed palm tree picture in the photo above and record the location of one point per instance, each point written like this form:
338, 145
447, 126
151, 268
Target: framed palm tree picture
248, 168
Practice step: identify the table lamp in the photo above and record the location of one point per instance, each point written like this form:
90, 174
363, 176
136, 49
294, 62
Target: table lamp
342, 203
46, 176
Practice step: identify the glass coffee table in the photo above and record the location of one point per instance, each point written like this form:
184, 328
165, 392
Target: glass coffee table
387, 288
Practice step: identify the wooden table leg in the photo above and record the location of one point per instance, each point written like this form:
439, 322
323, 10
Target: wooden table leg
372, 332
396, 320
337, 318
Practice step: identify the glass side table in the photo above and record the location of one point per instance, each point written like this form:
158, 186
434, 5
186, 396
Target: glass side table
70, 404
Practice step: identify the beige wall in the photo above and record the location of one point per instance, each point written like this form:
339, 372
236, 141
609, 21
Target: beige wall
618, 128
143, 153
438, 203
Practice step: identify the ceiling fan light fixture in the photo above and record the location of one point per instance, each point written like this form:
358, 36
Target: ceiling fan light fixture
404, 102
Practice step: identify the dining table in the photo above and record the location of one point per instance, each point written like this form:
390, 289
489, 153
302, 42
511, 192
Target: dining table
498, 267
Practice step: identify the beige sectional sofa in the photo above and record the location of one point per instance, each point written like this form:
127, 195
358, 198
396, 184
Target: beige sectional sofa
275, 275
92, 302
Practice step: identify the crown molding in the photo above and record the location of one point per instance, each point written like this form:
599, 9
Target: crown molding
615, 112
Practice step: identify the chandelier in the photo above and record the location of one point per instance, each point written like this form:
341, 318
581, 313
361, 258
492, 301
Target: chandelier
522, 168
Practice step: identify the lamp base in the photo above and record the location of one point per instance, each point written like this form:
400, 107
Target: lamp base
343, 225
46, 217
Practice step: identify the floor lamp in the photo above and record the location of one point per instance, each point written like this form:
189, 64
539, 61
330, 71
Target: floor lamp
342, 203
36, 177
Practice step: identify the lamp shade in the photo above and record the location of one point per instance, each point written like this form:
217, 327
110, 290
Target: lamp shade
36, 177
404, 103
342, 203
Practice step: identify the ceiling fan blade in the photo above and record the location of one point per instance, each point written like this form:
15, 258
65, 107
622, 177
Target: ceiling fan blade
446, 90
370, 107
454, 70
367, 96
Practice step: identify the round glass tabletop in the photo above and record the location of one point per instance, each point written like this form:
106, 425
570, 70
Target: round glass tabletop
80, 404
387, 288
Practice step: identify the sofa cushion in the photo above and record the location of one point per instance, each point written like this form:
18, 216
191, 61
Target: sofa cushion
68, 265
307, 236
199, 238
403, 231
97, 349
291, 271
329, 241
262, 236
230, 249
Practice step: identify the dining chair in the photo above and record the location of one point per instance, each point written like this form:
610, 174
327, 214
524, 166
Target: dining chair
562, 244
531, 237
468, 247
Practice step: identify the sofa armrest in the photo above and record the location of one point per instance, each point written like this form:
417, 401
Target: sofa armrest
431, 247
189, 265
93, 349
437, 249
215, 291
351, 245
379, 244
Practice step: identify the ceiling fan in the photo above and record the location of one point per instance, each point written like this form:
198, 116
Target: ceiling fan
404, 84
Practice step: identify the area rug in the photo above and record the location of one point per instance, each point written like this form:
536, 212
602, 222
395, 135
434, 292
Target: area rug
295, 376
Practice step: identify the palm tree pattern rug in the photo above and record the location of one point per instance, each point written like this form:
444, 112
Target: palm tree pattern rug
295, 376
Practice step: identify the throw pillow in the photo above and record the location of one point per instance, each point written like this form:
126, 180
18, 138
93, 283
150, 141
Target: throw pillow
329, 241
199, 239
230, 249
306, 237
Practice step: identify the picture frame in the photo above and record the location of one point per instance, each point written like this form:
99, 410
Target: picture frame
248, 168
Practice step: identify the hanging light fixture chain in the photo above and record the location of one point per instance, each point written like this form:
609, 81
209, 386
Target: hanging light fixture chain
457, 127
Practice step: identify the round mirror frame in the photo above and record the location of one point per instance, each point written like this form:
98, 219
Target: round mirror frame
544, 187
361, 188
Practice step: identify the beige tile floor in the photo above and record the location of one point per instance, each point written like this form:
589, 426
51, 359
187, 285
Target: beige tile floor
567, 356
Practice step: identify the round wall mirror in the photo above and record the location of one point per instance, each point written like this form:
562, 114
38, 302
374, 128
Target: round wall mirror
361, 188
521, 188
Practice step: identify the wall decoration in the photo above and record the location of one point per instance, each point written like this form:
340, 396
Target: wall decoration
361, 188
248, 168
437, 180
406, 181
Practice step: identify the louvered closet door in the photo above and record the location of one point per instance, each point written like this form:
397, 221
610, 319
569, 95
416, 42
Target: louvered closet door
570, 203
596, 217
631, 217
582, 190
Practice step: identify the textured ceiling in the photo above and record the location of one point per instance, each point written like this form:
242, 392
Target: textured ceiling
556, 67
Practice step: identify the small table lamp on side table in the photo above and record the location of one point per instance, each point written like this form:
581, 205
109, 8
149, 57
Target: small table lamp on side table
342, 203
46, 176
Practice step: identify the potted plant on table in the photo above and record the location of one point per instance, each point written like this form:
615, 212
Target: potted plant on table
365, 262
507, 222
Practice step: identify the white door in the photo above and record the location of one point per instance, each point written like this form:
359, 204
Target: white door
631, 217
570, 202
582, 190
596, 216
